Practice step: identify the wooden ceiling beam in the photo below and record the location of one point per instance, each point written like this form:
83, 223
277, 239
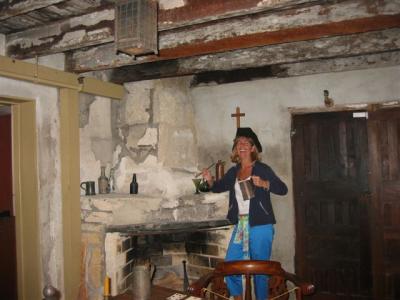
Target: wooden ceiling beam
220, 35
10, 9
104, 58
281, 57
201, 11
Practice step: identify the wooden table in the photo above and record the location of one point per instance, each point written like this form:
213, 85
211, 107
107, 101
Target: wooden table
157, 293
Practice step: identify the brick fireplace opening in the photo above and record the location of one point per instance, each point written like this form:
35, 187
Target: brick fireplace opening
166, 248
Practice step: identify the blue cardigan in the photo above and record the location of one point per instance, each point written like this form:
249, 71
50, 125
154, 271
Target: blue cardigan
260, 211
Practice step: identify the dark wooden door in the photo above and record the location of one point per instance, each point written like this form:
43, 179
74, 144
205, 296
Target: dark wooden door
330, 168
384, 154
8, 269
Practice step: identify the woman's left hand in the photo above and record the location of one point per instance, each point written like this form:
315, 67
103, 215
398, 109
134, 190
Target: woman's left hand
257, 181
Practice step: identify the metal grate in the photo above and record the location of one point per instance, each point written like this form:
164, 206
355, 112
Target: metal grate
136, 26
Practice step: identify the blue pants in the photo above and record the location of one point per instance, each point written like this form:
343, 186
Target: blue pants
260, 245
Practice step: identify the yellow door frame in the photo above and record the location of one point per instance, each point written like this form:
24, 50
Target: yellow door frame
25, 191
69, 85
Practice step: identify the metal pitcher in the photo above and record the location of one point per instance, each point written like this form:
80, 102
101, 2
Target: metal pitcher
142, 278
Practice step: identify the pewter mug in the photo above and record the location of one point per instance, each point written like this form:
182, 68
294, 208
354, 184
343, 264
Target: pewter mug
89, 188
142, 277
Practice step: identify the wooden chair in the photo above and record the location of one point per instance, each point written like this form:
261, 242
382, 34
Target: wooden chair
213, 282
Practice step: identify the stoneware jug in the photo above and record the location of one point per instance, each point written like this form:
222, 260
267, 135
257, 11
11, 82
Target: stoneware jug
142, 277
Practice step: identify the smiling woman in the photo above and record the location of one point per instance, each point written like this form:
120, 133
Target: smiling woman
249, 183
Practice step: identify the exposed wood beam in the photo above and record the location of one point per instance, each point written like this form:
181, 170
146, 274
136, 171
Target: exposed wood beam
103, 57
48, 76
220, 35
82, 31
16, 8
283, 36
197, 12
101, 88
381, 60
287, 53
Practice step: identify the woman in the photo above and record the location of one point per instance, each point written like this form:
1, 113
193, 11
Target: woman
250, 207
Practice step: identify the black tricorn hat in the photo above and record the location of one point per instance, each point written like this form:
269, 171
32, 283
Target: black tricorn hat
249, 133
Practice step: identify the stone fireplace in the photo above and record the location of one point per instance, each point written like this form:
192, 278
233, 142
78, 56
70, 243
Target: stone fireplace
118, 228
151, 133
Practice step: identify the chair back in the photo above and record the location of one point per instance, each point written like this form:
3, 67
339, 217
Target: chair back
248, 268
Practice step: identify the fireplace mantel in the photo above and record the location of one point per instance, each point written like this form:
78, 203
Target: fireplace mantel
128, 210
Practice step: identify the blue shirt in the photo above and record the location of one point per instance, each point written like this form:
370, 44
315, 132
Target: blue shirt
261, 211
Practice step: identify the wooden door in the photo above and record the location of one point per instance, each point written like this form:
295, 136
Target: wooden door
330, 168
8, 273
384, 158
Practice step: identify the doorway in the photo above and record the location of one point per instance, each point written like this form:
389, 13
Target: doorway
8, 263
24, 212
330, 169
346, 168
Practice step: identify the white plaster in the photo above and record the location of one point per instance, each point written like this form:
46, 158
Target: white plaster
102, 205
137, 210
265, 103
150, 161
93, 18
2, 44
172, 203
137, 102
98, 217
85, 203
27, 43
175, 214
96, 144
170, 4
150, 138
123, 175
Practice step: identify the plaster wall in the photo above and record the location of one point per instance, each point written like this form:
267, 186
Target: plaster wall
266, 104
49, 173
150, 132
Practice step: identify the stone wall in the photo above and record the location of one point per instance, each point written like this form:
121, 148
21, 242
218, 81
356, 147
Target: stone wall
150, 132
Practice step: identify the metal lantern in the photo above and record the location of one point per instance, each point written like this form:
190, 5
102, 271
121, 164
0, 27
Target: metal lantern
136, 26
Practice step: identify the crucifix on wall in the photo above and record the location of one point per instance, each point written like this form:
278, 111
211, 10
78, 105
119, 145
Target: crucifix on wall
237, 115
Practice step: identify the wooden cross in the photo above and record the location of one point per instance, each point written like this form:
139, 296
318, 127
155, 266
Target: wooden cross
237, 115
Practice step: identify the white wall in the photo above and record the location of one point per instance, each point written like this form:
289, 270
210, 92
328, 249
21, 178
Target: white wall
266, 105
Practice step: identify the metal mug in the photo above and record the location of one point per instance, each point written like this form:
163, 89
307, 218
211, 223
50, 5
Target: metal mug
142, 277
89, 188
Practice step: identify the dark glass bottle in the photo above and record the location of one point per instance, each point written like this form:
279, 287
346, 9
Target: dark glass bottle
134, 187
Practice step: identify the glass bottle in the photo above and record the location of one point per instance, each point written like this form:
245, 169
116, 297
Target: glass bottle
134, 187
111, 180
103, 181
